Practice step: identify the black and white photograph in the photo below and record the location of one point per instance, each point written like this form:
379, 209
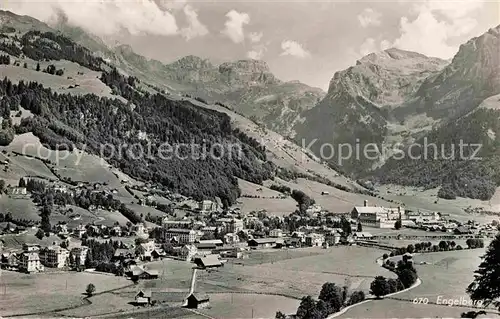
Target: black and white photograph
249, 159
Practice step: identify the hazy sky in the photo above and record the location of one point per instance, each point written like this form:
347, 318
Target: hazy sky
306, 41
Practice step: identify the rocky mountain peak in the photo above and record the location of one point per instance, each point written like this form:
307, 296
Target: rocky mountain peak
391, 56
386, 78
473, 75
192, 62
247, 71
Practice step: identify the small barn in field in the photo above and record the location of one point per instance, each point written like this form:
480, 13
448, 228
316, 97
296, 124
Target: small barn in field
198, 301
210, 261
143, 297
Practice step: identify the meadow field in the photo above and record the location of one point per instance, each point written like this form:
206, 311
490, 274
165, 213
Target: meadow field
233, 306
16, 241
44, 292
447, 274
301, 273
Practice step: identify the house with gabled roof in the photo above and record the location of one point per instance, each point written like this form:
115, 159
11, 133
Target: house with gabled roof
143, 297
209, 261
198, 301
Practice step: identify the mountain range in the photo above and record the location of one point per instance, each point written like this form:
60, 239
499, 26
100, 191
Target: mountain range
389, 98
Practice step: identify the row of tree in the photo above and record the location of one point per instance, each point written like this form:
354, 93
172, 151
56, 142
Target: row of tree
332, 298
407, 276
444, 245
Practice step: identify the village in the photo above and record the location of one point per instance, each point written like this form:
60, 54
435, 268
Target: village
202, 235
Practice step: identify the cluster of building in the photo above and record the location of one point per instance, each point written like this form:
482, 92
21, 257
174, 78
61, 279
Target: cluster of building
34, 258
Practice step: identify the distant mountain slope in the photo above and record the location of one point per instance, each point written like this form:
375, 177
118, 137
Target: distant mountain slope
465, 95
247, 86
359, 103
403, 97
21, 24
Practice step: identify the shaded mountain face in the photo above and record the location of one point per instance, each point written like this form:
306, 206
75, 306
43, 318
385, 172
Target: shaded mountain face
398, 99
472, 76
358, 107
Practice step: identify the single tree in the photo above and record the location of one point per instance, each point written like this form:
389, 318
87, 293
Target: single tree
379, 287
346, 226
407, 276
332, 295
397, 224
90, 290
360, 227
38, 66
410, 248
39, 234
486, 288
280, 315
306, 308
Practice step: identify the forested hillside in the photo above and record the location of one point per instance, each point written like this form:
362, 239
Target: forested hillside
142, 136
89, 122
49, 46
459, 173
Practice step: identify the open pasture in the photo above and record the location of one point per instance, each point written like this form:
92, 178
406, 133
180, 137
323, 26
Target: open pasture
33, 293
235, 306
80, 79
418, 198
20, 208
274, 206
77, 164
251, 189
14, 242
302, 275
447, 274
337, 201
